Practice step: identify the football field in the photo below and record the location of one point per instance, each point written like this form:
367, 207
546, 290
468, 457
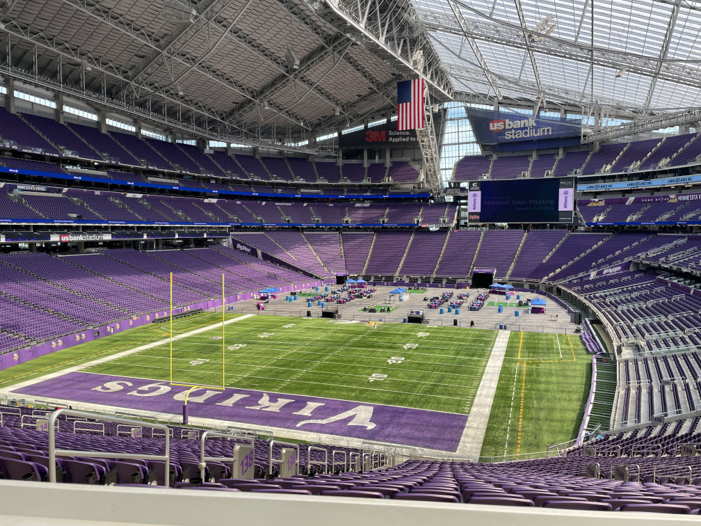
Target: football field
539, 400
541, 394
436, 368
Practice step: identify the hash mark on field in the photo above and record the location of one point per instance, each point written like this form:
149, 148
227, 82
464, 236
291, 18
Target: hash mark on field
511, 410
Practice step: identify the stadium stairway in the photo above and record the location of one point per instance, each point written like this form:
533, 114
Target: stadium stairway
440, 257
474, 257
518, 252
406, 252
367, 260
311, 248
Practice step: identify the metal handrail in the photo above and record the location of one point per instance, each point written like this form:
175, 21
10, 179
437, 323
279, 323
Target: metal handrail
131, 428
655, 475
53, 452
203, 459
613, 466
350, 458
76, 422
333, 459
279, 461
326, 457
30, 424
170, 432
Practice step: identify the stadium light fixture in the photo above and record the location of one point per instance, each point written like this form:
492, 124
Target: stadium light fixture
180, 90
178, 13
266, 106
291, 58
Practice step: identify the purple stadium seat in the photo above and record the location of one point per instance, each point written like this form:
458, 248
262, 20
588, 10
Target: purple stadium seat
315, 489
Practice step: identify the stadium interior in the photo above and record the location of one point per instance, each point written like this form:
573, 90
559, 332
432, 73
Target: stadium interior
279, 257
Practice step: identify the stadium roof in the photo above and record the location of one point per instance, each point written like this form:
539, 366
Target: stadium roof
230, 66
645, 54
250, 70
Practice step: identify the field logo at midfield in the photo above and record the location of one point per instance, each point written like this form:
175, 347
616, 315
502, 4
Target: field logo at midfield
353, 419
373, 324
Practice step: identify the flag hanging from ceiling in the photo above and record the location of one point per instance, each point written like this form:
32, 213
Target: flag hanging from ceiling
410, 104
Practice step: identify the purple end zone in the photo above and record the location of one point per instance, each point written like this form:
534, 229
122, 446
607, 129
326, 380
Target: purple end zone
398, 425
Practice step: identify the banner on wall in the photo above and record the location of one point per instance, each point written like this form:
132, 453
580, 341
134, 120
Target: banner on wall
498, 127
382, 136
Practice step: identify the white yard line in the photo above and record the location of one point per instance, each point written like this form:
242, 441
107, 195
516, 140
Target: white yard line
558, 345
117, 356
473, 434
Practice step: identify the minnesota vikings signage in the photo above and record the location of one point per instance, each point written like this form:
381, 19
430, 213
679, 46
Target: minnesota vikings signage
398, 425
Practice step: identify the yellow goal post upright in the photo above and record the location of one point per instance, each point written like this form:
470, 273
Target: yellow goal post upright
223, 351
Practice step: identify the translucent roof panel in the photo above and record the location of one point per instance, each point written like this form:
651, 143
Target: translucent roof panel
647, 53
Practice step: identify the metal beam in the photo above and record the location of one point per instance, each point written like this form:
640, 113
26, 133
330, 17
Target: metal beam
65, 51
475, 48
489, 29
338, 45
527, 40
379, 35
127, 27
664, 50
642, 126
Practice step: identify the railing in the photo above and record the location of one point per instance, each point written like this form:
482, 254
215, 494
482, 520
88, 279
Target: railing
665, 472
53, 452
514, 457
325, 463
279, 461
25, 422
333, 460
87, 429
204, 459
627, 469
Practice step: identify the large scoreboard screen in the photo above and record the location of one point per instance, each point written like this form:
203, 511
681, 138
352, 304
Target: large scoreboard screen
521, 201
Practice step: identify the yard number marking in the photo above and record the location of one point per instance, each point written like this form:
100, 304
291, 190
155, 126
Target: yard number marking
423, 334
266, 334
237, 346
288, 326
378, 377
395, 359
199, 361
411, 345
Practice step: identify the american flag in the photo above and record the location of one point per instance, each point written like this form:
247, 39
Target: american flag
410, 104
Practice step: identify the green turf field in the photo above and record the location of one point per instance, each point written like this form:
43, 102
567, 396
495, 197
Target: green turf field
436, 368
542, 391
103, 347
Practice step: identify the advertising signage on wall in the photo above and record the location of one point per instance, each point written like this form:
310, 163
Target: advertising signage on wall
497, 127
382, 136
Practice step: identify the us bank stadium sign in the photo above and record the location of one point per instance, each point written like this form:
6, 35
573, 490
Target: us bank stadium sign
497, 127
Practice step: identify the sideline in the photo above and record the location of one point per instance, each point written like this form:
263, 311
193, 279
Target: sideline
476, 428
10, 389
